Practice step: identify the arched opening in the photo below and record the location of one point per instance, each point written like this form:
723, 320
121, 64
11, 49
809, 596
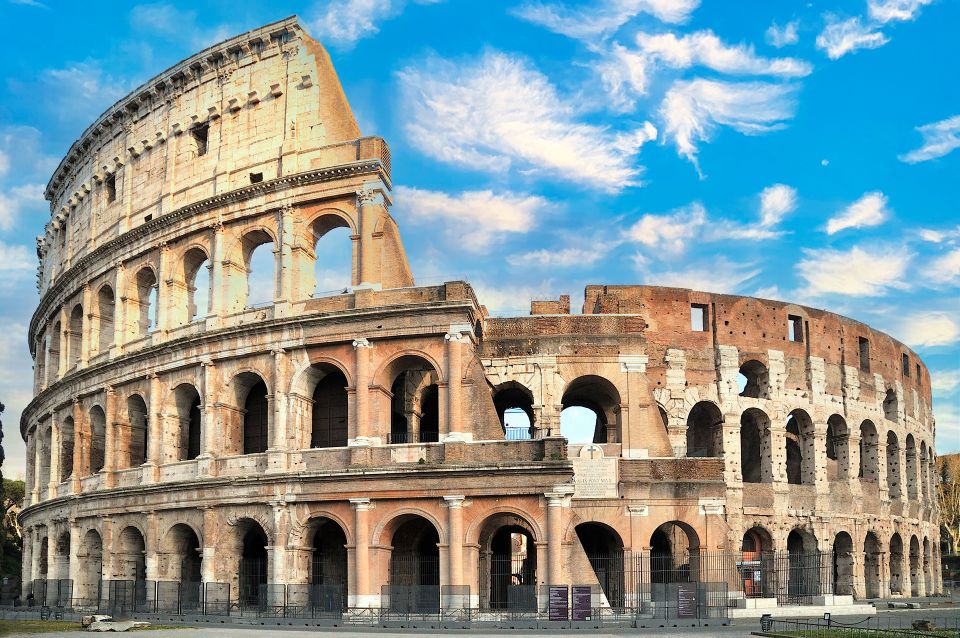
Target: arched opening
756, 565
843, 563
754, 380
184, 563
75, 338
414, 402
329, 414
755, 453
911, 456
66, 449
252, 395
923, 490
189, 415
130, 562
508, 564
144, 305
53, 345
253, 565
604, 549
60, 570
893, 465
869, 452
106, 307
196, 277
896, 564
43, 567
704, 432
838, 448
915, 576
801, 455
872, 558
415, 567
890, 407
333, 255
674, 555
805, 568
40, 363
514, 405
98, 438
89, 570
45, 453
328, 567
590, 411
927, 567
137, 416
260, 265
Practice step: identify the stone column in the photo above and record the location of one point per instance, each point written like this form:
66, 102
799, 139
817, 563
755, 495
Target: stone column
819, 459
152, 541
55, 444
163, 289
277, 554
79, 441
362, 595
361, 430
26, 567
773, 461
151, 469
556, 502
208, 572
732, 454
285, 285
75, 555
120, 311
367, 201
64, 330
217, 283
454, 387
85, 327
454, 505
34, 452
206, 461
277, 452
110, 444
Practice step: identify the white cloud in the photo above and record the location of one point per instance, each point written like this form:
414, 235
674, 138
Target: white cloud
870, 210
603, 17
841, 37
474, 219
692, 110
939, 236
29, 3
14, 257
81, 91
561, 258
512, 300
775, 202
703, 48
860, 271
624, 75
939, 139
669, 232
928, 329
946, 268
719, 275
344, 22
945, 380
947, 415
884, 11
782, 36
16, 199
175, 25
498, 110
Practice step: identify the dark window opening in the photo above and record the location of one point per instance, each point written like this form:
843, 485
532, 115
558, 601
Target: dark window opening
864, 354
795, 328
147, 218
918, 373
255, 420
698, 317
256, 178
199, 134
110, 184
906, 365
329, 418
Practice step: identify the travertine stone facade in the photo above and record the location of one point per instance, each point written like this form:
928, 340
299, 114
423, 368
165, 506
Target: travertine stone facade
178, 436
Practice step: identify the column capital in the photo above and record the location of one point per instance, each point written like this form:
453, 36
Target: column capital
362, 342
634, 363
454, 501
362, 504
458, 337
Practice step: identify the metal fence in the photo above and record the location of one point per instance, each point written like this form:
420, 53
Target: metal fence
886, 626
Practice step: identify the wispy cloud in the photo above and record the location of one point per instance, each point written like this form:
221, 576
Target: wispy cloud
16, 258
862, 271
692, 110
945, 269
29, 3
776, 202
939, 139
718, 275
560, 258
603, 17
497, 111
670, 232
782, 36
704, 48
841, 37
870, 210
474, 219
16, 199
928, 329
81, 91
945, 380
889, 10
344, 22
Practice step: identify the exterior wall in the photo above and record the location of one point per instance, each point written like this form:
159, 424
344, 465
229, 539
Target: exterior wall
273, 105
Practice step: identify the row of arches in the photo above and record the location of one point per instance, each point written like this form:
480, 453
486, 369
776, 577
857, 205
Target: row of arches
252, 267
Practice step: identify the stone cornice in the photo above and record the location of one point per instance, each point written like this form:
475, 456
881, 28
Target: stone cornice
157, 85
361, 167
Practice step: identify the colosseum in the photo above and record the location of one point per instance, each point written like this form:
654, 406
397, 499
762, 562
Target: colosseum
204, 438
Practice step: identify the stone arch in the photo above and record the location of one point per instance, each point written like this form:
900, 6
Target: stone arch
869, 452
838, 447
512, 398
89, 569
330, 229
248, 549
928, 567
106, 310
806, 564
896, 564
136, 446
508, 561
189, 420
674, 553
800, 448
197, 284
328, 566
130, 558
239, 519
302, 530
843, 564
98, 439
321, 396
923, 491
872, 564
305, 379
182, 555
385, 529
54, 344
75, 336
894, 486
414, 563
916, 575
603, 546
253, 423
142, 304
755, 378
911, 473
890, 405
67, 441
600, 396
757, 570
251, 239
413, 378
473, 532
756, 455
704, 430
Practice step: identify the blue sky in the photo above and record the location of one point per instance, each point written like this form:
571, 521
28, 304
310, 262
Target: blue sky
794, 150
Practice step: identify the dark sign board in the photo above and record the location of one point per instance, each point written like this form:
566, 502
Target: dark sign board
686, 600
559, 604
582, 602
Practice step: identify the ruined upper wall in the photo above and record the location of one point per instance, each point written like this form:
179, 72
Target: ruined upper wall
253, 108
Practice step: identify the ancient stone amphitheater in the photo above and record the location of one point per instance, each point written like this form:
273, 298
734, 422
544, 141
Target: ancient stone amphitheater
203, 436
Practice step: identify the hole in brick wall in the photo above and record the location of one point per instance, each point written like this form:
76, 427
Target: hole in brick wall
698, 317
256, 178
863, 345
753, 380
795, 328
147, 218
514, 405
199, 135
905, 365
110, 186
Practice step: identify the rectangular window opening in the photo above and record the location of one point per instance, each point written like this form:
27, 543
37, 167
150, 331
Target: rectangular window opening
256, 178
199, 134
918, 373
698, 317
795, 328
147, 218
906, 365
864, 344
110, 184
